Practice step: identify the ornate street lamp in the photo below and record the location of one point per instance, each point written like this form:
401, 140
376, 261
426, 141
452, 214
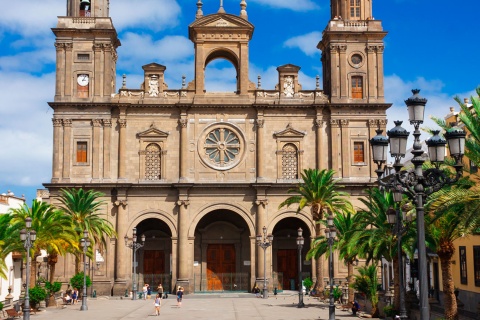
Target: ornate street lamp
85, 243
300, 241
28, 236
417, 184
264, 243
134, 245
330, 234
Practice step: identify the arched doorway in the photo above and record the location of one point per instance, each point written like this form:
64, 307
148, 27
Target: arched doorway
155, 258
285, 253
221, 253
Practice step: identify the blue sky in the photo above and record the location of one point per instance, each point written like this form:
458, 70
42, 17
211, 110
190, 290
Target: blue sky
430, 46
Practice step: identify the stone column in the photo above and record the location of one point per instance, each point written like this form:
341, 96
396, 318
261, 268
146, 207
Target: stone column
57, 149
243, 69
199, 69
260, 150
260, 223
107, 131
372, 76
107, 67
336, 147
319, 151
68, 69
334, 82
67, 150
343, 71
96, 154
372, 126
183, 148
183, 275
122, 148
98, 79
380, 92
60, 76
346, 154
122, 258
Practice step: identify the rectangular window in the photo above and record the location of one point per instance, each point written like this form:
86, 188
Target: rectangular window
462, 250
355, 9
358, 152
83, 57
357, 87
476, 264
82, 151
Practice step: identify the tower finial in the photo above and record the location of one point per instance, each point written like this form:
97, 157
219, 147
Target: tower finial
199, 9
243, 9
221, 10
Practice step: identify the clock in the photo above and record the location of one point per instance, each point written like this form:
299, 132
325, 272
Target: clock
82, 80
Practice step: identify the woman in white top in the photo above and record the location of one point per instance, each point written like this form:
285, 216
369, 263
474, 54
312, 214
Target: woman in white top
157, 303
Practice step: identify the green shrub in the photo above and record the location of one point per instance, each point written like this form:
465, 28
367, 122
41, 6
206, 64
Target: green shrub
337, 293
389, 311
308, 283
77, 281
53, 287
1, 305
37, 294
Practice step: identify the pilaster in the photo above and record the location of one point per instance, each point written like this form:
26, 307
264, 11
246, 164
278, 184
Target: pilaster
67, 150
96, 150
336, 147
57, 149
183, 122
122, 148
122, 257
346, 154
319, 140
107, 131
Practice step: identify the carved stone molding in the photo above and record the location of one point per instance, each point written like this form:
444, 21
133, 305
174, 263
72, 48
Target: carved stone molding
259, 123
67, 122
69, 45
122, 203
183, 123
319, 123
383, 122
97, 122
185, 203
334, 123
261, 202
371, 48
107, 122
344, 122
57, 122
122, 123
59, 46
372, 122
97, 46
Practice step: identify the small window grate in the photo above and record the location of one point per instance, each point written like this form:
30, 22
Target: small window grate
83, 57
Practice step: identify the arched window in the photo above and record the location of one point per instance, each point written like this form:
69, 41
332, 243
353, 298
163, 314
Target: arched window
289, 162
153, 162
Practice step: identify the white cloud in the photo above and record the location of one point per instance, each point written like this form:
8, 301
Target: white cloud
153, 15
307, 43
29, 61
297, 5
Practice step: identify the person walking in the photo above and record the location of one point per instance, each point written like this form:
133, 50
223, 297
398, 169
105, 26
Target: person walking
145, 290
157, 303
179, 296
160, 290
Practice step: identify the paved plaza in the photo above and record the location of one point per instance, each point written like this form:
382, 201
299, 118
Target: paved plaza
199, 306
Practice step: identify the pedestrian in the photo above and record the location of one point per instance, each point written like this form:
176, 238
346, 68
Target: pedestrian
160, 290
149, 291
179, 296
74, 295
145, 291
256, 290
355, 307
157, 303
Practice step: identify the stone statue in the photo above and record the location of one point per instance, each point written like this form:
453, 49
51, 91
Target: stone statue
153, 86
288, 87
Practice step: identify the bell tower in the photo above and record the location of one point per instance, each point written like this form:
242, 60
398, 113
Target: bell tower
352, 53
86, 43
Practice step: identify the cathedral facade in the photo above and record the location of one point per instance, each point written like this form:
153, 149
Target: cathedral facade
200, 174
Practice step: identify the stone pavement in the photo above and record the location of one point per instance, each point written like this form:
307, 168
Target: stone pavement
241, 306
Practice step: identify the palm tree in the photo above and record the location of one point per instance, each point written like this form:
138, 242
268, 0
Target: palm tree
366, 281
84, 208
446, 226
344, 223
319, 192
53, 228
4, 237
375, 237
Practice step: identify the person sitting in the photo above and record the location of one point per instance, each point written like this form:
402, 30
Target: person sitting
355, 307
67, 299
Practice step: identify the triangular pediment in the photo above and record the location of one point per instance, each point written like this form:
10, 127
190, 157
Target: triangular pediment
290, 132
154, 67
221, 20
152, 132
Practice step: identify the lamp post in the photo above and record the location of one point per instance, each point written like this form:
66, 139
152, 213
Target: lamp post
330, 234
300, 241
28, 236
395, 218
417, 184
134, 245
85, 243
264, 243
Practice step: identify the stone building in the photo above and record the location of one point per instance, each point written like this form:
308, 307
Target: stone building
201, 173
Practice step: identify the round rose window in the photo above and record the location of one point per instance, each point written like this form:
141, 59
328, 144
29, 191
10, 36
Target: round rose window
221, 147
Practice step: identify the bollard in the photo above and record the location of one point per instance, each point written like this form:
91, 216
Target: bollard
126, 293
94, 294
275, 291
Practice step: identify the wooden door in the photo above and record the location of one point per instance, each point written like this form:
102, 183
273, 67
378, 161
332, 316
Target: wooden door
220, 261
357, 87
153, 262
288, 265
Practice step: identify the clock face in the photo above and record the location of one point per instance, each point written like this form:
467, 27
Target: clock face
82, 80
